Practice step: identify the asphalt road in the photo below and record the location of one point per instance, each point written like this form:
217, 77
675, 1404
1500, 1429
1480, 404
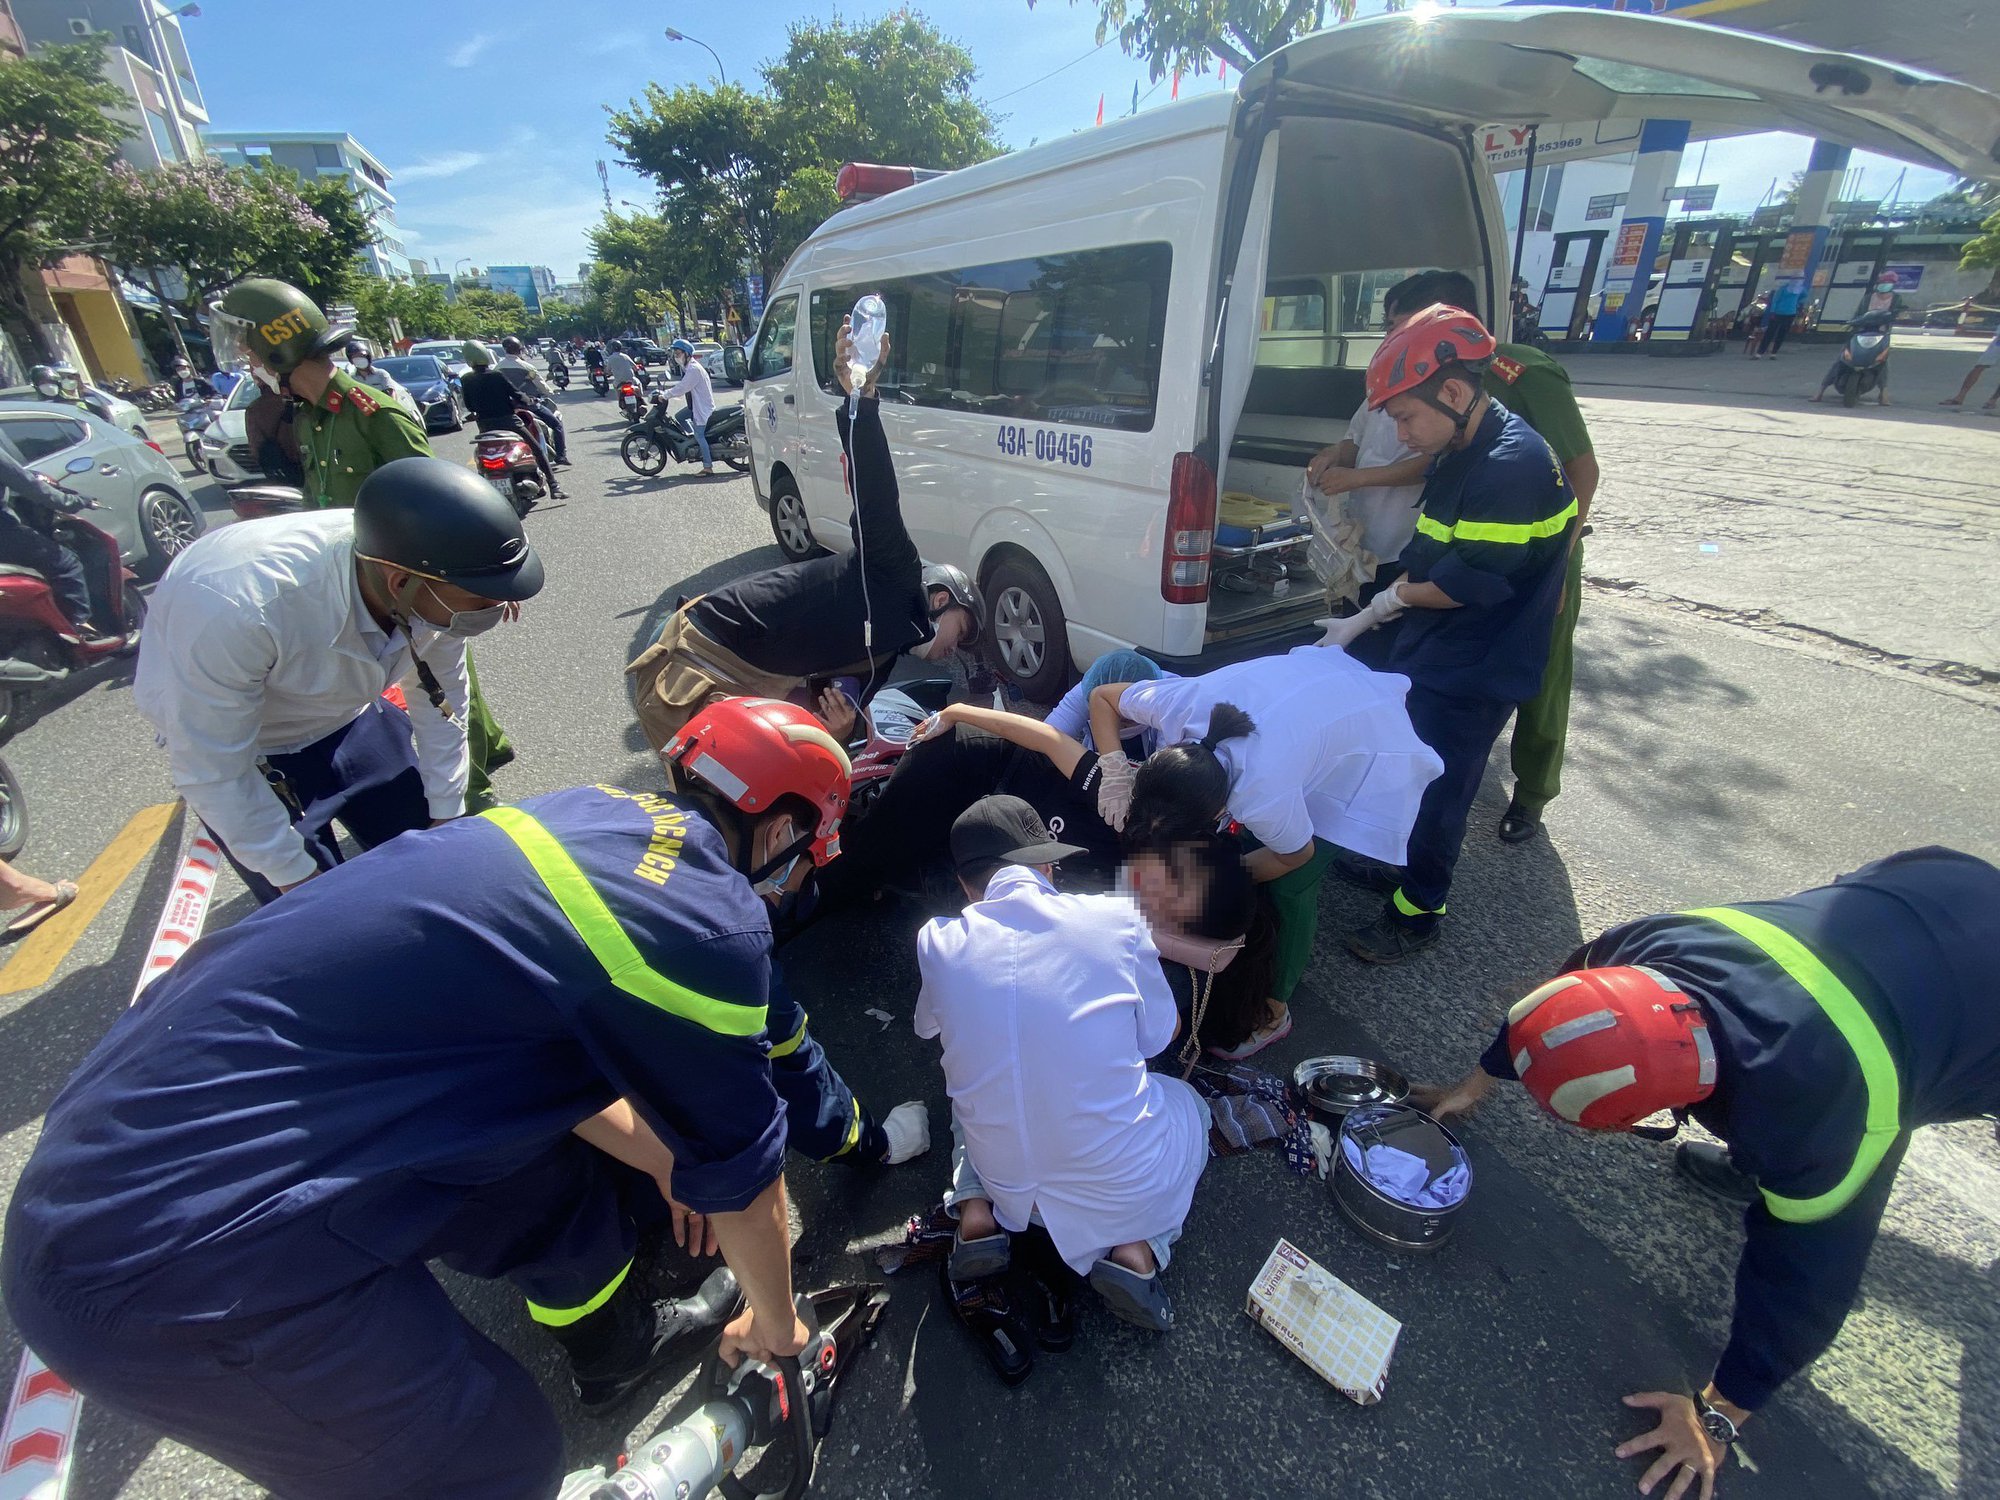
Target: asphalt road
1707, 763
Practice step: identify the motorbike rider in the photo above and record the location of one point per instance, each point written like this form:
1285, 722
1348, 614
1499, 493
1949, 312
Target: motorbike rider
263, 1294
1884, 306
361, 365
593, 355
498, 406
692, 381
791, 631
25, 541
57, 383
188, 386
623, 369
268, 648
514, 365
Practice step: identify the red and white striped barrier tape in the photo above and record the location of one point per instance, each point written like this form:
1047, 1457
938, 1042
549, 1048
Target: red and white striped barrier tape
39, 1435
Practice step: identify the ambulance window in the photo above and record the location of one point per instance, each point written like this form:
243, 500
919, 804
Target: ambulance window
773, 352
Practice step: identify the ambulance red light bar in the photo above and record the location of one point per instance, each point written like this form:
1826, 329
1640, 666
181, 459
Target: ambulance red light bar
861, 180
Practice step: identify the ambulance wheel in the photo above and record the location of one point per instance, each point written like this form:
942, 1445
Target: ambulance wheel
789, 523
1029, 640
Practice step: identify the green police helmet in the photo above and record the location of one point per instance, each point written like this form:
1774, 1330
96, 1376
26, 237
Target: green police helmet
476, 354
271, 323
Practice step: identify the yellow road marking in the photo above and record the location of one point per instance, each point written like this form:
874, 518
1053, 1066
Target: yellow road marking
43, 950
1713, 8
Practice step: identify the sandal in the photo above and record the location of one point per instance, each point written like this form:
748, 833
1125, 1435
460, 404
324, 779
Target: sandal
40, 911
1132, 1298
1268, 1035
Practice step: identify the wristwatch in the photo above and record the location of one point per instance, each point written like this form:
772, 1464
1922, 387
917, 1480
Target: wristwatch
1716, 1423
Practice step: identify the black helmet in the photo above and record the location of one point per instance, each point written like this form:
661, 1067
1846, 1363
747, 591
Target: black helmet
359, 348
45, 375
510, 345
954, 582
442, 521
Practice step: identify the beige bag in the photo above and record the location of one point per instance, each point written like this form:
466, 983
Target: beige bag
684, 671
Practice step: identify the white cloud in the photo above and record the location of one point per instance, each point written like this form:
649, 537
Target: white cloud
466, 53
450, 164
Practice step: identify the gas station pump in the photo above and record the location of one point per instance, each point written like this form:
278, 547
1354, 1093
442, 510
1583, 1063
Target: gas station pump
1565, 299
1857, 260
1701, 249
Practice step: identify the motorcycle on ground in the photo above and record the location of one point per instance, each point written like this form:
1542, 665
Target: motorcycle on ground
39, 647
659, 434
1864, 359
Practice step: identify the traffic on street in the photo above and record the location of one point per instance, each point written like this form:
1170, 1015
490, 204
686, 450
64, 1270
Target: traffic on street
900, 845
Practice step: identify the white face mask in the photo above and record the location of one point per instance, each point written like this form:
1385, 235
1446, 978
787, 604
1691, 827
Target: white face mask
266, 378
360, 361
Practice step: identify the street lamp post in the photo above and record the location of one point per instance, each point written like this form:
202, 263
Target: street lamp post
682, 36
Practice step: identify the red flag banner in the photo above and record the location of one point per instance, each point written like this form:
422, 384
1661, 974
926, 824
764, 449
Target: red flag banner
1222, 71
1100, 109
1177, 85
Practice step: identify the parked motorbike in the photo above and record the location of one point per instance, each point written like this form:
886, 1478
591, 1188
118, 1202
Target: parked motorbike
1864, 360
505, 461
660, 434
13, 814
38, 645
196, 416
154, 398
600, 382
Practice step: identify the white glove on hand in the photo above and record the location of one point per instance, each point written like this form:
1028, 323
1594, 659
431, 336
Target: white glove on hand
1114, 788
1343, 632
1384, 607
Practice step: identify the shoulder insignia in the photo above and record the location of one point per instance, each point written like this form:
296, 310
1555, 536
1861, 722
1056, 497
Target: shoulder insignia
333, 401
1507, 369
364, 403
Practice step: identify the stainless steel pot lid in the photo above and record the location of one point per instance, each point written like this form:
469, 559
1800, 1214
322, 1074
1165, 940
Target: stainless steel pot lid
1339, 1084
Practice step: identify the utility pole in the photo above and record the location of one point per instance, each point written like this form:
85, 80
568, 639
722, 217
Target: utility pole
604, 180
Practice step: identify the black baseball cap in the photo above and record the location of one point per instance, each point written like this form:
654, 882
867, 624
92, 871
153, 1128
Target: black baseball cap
1005, 829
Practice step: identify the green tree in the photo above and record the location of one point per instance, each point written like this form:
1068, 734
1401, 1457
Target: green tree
419, 310
1982, 253
56, 143
485, 314
746, 176
1183, 35
193, 227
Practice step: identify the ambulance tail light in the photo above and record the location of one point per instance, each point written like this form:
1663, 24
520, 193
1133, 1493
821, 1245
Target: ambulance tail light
858, 181
1184, 560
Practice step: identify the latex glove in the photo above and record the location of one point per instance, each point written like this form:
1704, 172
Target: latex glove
1343, 632
1384, 607
1114, 788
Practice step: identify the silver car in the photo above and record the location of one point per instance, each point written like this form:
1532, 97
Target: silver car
146, 503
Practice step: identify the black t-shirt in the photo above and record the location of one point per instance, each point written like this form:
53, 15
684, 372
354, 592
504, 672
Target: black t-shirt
490, 397
805, 619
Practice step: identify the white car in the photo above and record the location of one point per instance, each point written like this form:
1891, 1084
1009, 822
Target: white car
116, 410
1095, 339
225, 445
146, 502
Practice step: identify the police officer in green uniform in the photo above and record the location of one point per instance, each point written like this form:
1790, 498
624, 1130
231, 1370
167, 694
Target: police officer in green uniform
1536, 388
346, 431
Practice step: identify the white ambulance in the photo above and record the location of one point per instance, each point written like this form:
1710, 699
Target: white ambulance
1096, 340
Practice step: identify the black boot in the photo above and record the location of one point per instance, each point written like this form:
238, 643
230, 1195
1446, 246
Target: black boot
1708, 1167
620, 1345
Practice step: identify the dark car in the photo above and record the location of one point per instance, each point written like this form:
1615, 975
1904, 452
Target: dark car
429, 385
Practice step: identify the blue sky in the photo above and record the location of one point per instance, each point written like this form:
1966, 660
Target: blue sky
491, 117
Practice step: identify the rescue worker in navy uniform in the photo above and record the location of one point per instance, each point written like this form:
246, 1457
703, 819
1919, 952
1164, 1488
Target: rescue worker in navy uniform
1812, 1034
505, 1043
1475, 603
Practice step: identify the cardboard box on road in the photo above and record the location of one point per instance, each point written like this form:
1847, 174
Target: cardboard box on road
1343, 1337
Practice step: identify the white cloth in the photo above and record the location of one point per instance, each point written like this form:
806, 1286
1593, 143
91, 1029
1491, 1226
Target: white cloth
694, 382
1387, 513
1334, 754
258, 643
1048, 1006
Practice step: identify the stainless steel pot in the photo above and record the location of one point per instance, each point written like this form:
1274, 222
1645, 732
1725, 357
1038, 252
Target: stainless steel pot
1335, 1085
1377, 1213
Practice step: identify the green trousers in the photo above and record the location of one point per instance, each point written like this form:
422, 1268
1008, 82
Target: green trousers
489, 744
1295, 898
1541, 728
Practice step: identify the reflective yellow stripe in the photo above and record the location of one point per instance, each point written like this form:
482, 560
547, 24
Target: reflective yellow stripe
1496, 531
1410, 908
853, 1134
623, 964
792, 1043
562, 1317
1852, 1021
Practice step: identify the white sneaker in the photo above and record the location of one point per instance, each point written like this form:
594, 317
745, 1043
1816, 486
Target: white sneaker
908, 1127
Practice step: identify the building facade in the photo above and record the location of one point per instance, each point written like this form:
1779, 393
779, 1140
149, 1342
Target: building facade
324, 154
145, 55
530, 283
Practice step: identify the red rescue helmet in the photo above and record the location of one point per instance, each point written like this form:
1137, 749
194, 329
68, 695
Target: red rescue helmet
754, 752
1604, 1048
1440, 335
